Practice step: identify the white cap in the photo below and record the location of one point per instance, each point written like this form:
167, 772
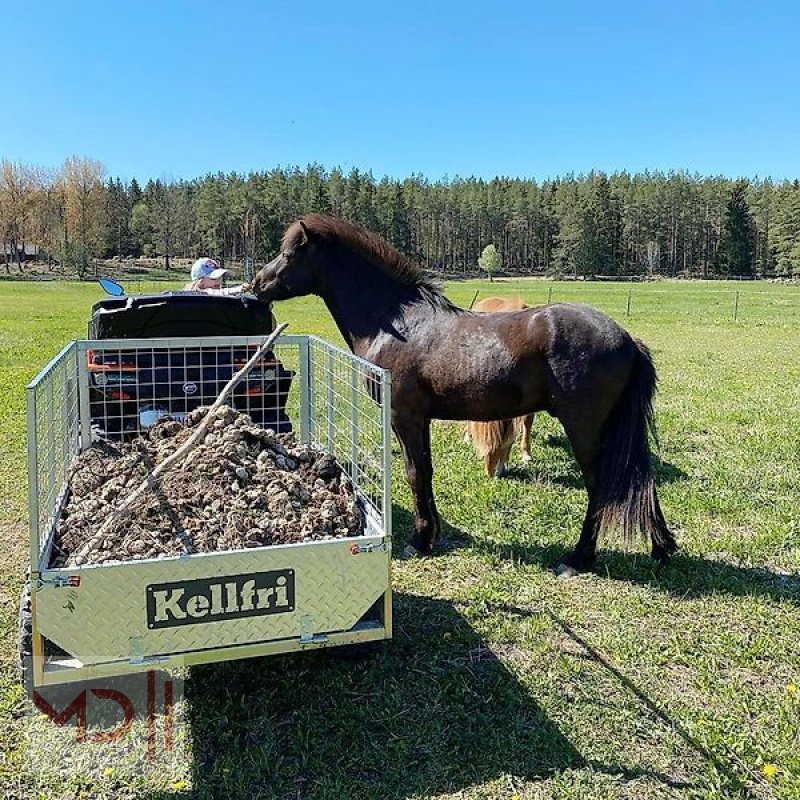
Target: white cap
206, 268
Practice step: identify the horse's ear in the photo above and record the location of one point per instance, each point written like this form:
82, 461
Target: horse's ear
304, 235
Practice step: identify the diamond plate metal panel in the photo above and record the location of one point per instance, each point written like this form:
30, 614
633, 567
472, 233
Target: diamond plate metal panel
105, 617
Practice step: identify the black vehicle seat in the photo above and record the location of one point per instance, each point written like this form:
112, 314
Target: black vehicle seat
179, 314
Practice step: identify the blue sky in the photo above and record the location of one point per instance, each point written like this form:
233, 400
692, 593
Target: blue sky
528, 89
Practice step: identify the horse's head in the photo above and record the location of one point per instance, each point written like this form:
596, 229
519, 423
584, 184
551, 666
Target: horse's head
294, 272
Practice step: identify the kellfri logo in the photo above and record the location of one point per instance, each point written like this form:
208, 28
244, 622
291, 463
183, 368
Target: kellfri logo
214, 599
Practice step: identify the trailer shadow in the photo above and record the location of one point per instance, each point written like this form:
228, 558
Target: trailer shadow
434, 711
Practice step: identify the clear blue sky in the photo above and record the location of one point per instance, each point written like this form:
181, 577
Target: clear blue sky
528, 89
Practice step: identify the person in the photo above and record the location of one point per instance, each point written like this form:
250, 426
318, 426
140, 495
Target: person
207, 277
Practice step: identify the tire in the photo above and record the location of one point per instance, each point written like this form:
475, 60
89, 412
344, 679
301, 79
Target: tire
359, 652
25, 639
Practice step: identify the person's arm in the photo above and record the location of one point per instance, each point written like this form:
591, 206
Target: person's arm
229, 290
239, 289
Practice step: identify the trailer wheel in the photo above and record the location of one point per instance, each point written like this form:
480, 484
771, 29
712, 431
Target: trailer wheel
25, 639
360, 651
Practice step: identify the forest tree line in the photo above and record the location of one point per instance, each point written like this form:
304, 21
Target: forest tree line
669, 224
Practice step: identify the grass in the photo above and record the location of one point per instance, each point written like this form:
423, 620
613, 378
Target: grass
502, 681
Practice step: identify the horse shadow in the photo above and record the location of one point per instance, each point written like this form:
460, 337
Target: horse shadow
684, 576
570, 477
435, 711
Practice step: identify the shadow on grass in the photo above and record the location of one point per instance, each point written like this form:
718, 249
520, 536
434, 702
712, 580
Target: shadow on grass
654, 709
571, 477
435, 711
684, 576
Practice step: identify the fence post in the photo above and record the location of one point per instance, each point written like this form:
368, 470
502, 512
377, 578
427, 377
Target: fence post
549, 294
736, 308
628, 309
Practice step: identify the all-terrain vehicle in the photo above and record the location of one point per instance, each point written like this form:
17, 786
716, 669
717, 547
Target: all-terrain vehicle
130, 389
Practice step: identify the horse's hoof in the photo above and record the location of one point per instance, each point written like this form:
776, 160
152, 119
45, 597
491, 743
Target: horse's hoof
660, 556
563, 570
526, 458
663, 552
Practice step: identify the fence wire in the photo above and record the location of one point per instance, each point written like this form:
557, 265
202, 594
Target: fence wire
684, 301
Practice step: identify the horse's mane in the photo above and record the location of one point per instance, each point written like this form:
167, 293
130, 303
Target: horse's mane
373, 248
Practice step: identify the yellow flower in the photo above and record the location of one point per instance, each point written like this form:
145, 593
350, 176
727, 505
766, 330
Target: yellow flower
179, 786
514, 797
769, 771
108, 772
792, 690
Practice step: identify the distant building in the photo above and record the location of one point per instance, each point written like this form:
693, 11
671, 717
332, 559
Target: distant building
27, 252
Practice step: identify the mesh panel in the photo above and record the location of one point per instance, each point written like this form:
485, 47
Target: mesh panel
116, 389
347, 416
53, 437
130, 388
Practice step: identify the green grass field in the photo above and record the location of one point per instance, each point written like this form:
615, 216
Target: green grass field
503, 681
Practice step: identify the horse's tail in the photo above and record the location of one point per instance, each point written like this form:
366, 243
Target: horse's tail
489, 437
626, 492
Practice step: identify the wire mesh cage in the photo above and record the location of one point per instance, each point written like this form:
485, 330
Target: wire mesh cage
117, 389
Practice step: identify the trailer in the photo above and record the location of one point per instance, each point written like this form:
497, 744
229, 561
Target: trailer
116, 618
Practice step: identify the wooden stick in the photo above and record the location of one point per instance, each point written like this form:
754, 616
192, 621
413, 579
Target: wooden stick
152, 478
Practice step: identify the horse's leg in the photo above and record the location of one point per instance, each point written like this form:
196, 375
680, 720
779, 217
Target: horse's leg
490, 463
414, 436
585, 446
583, 557
507, 433
505, 457
467, 433
527, 425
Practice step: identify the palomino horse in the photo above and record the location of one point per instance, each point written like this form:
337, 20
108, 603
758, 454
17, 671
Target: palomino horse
493, 440
447, 363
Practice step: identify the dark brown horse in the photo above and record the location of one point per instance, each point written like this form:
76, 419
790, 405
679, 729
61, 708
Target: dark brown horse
446, 363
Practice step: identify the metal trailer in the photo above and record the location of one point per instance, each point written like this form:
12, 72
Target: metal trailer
115, 618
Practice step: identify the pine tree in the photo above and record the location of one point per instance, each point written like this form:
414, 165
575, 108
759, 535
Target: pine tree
785, 230
737, 240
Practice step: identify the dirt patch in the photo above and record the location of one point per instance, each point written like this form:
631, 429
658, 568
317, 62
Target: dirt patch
241, 487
